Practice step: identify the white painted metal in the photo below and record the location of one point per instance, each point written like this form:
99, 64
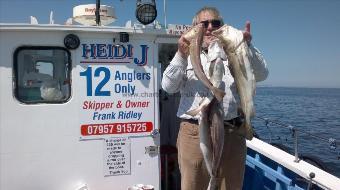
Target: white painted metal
41, 146
302, 168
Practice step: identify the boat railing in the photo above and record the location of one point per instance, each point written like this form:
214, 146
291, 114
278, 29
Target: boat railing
279, 167
269, 167
295, 131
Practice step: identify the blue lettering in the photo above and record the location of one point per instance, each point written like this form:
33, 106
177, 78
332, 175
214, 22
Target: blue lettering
101, 51
144, 60
109, 47
118, 54
130, 50
95, 116
115, 51
85, 50
93, 50
129, 89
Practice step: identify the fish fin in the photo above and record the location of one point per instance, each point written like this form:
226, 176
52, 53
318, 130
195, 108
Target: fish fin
243, 68
194, 112
252, 113
249, 133
223, 69
211, 68
218, 93
253, 85
202, 105
246, 131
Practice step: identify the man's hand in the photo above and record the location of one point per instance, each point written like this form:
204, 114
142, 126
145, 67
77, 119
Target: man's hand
183, 47
246, 33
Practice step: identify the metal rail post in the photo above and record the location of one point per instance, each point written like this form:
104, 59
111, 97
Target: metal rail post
295, 135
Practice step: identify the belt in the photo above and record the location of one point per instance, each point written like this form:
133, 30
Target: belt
235, 122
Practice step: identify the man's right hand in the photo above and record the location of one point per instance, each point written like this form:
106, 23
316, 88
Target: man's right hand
183, 47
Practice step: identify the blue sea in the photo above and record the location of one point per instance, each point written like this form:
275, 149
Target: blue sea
315, 111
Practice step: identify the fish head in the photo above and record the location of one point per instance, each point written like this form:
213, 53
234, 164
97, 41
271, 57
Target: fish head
193, 32
230, 37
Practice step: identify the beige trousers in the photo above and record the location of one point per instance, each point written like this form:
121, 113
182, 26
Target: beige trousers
194, 175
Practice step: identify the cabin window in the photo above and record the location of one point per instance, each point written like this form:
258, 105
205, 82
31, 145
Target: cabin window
44, 67
42, 74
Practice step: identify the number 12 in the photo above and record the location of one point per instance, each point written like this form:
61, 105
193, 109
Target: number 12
98, 91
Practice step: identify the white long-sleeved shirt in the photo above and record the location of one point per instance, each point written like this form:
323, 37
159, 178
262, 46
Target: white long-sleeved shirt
180, 76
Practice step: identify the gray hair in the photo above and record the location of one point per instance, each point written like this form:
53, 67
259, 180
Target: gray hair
212, 10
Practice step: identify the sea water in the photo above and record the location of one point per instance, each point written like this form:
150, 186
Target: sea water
311, 110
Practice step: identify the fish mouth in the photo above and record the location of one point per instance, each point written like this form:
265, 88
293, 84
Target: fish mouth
192, 33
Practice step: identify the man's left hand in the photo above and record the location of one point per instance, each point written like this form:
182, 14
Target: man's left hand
246, 33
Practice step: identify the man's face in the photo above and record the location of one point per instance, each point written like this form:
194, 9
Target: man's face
211, 23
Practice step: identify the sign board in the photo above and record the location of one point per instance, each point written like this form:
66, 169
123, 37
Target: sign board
117, 156
117, 98
177, 29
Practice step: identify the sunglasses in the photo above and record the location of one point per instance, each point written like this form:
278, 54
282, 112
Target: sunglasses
214, 23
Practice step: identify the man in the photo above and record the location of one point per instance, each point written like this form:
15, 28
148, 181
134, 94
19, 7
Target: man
179, 76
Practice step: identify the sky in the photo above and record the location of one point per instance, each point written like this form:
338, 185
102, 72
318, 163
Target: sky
300, 39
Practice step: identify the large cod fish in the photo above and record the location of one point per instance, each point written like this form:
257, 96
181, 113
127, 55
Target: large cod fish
216, 117
211, 126
195, 38
211, 111
239, 54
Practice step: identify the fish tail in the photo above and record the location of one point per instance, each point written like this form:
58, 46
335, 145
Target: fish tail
246, 131
213, 183
249, 133
218, 93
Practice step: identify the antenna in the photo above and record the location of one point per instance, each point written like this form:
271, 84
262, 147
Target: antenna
165, 26
51, 18
97, 12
